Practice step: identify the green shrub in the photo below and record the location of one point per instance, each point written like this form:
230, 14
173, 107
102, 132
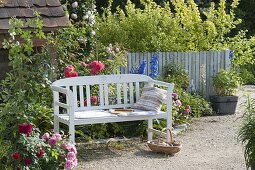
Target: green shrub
226, 82
178, 75
179, 28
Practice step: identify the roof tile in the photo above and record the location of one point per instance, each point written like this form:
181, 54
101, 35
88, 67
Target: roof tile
3, 13
53, 3
40, 3
63, 21
11, 3
25, 3
14, 12
27, 12
44, 11
4, 24
57, 11
49, 23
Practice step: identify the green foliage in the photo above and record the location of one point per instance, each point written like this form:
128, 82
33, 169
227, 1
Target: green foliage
26, 85
246, 134
243, 47
247, 74
179, 28
178, 75
226, 82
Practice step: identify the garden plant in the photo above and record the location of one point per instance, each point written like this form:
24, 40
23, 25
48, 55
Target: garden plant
97, 44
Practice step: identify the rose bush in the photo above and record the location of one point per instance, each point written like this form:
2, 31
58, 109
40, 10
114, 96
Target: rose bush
33, 151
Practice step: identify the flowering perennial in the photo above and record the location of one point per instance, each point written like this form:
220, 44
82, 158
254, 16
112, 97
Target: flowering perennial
45, 152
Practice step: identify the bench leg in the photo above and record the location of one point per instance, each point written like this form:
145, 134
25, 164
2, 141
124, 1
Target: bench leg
72, 134
56, 125
150, 126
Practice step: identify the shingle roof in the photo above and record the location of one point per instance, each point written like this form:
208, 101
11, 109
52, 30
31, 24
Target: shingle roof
51, 11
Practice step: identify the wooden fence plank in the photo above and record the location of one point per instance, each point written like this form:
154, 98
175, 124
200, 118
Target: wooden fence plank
201, 66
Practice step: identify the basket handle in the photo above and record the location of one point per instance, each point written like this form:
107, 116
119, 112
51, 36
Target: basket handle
171, 135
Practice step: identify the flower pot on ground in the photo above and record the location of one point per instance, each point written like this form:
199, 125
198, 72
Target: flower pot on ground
225, 84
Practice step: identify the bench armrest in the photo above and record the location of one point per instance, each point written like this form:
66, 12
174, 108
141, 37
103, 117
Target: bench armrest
69, 97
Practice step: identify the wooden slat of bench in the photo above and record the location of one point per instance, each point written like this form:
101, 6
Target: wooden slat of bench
101, 91
137, 91
106, 95
131, 92
81, 97
88, 95
125, 92
118, 93
75, 96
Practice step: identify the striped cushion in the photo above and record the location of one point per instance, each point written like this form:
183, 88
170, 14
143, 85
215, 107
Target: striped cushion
151, 99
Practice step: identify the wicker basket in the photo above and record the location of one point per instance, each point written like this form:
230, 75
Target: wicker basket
168, 147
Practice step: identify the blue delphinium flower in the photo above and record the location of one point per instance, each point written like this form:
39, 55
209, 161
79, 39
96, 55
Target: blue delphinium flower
231, 55
139, 70
142, 67
154, 66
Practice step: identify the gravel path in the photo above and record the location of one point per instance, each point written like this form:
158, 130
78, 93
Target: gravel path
209, 144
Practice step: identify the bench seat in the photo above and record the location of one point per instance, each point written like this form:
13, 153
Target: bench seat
101, 116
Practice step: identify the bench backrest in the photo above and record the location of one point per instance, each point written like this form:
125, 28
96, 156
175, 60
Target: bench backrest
113, 91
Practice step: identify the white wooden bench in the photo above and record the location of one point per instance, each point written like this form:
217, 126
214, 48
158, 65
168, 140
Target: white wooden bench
69, 95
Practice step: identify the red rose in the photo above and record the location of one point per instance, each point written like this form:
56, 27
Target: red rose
28, 161
16, 156
74, 74
94, 71
40, 153
69, 68
96, 66
85, 102
67, 74
25, 128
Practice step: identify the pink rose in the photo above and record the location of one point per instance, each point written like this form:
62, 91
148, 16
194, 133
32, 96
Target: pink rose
57, 136
94, 71
178, 103
93, 100
187, 109
46, 136
75, 162
69, 165
72, 149
71, 156
66, 146
83, 64
52, 141
175, 96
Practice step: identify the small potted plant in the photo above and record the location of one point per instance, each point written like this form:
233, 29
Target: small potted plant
225, 84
